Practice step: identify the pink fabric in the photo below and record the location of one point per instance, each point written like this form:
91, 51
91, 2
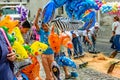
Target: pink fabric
34, 32
5, 37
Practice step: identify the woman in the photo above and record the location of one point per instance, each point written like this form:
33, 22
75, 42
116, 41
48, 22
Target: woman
5, 58
116, 34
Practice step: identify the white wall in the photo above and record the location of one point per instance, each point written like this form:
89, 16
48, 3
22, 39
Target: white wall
34, 5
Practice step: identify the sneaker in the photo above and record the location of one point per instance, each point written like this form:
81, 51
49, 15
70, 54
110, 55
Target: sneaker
75, 56
81, 55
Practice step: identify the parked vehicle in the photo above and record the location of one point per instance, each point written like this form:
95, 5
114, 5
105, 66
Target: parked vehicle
11, 11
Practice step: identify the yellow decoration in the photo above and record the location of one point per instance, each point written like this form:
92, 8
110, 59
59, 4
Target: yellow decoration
38, 47
20, 51
17, 34
9, 23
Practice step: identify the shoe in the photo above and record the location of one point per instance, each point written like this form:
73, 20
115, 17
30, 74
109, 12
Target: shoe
81, 55
75, 56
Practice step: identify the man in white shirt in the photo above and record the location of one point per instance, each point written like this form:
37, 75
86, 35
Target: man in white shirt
78, 51
92, 36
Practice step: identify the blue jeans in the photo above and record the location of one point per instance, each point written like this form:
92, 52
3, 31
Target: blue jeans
69, 52
77, 46
112, 41
117, 42
93, 46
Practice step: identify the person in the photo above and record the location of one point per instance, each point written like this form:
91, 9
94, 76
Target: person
62, 52
116, 34
92, 36
65, 68
33, 60
6, 57
115, 23
47, 56
77, 35
77, 45
25, 27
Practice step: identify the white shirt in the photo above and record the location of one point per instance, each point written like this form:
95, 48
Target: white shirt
116, 23
80, 32
117, 31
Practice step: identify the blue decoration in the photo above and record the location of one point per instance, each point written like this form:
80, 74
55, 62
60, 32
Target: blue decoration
89, 20
48, 12
65, 61
74, 8
59, 3
23, 76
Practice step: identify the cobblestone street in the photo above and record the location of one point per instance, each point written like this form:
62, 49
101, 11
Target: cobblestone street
87, 73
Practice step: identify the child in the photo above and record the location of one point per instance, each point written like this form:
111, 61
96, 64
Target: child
47, 56
25, 27
65, 68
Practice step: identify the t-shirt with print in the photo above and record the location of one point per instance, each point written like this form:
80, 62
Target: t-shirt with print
44, 39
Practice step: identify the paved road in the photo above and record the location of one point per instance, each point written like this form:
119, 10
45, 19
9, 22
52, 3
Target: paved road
105, 47
102, 46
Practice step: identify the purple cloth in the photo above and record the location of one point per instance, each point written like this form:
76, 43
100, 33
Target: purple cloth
5, 70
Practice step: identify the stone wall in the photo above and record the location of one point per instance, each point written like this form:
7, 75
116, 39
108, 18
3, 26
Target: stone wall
105, 32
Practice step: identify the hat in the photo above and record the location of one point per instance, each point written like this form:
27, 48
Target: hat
97, 25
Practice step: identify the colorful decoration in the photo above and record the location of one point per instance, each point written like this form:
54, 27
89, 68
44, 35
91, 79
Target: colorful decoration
54, 41
66, 24
17, 35
66, 40
74, 8
106, 8
89, 20
38, 47
27, 48
32, 71
22, 76
23, 11
35, 35
48, 12
6, 39
19, 50
65, 61
112, 8
10, 24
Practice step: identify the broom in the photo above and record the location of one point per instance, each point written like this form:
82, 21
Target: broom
112, 67
83, 64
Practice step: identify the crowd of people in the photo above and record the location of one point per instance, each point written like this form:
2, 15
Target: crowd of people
78, 36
